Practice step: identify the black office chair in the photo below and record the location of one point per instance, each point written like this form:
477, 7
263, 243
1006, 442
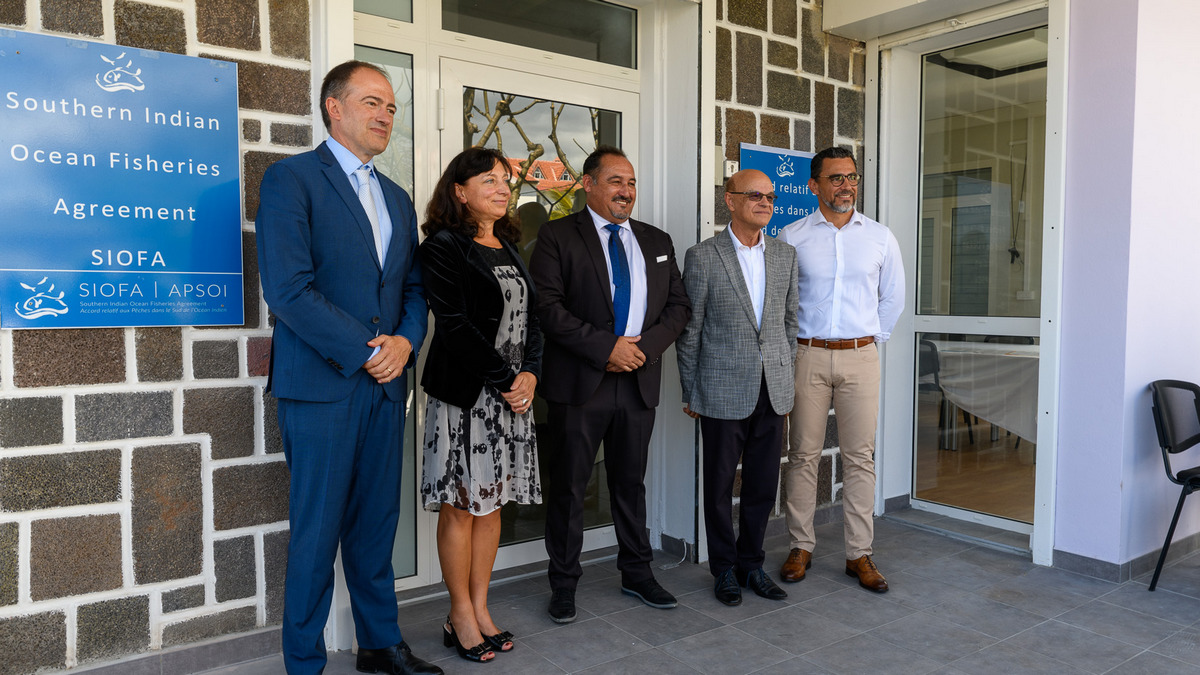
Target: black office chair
1176, 407
928, 364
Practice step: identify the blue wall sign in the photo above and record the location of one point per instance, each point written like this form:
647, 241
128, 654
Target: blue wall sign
789, 170
121, 194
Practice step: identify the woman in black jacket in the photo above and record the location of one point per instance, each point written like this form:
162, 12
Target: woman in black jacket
483, 364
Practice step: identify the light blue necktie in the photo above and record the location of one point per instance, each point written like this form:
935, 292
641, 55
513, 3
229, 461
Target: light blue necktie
363, 173
620, 277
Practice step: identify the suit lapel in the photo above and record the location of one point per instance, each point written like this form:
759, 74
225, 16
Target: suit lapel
399, 240
341, 185
591, 241
729, 259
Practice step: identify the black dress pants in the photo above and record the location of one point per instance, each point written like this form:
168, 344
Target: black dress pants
756, 441
616, 415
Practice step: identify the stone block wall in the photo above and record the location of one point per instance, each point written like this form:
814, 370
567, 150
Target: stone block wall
783, 82
143, 494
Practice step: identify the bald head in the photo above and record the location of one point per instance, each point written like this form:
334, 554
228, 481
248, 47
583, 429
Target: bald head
734, 183
746, 213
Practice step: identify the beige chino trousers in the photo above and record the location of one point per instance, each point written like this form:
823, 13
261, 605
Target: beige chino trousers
849, 379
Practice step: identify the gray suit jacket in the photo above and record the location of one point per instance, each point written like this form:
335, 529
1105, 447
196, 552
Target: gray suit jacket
719, 364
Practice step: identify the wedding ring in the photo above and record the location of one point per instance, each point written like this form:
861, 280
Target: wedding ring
524, 401
389, 370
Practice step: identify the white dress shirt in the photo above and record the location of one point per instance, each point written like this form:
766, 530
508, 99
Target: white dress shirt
753, 261
851, 279
349, 162
637, 271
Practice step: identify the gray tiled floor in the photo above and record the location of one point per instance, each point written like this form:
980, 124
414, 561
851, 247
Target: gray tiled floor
953, 608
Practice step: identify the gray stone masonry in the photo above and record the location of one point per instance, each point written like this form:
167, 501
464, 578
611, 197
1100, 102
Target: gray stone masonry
32, 642
233, 560
112, 628
31, 421
168, 513
228, 23
72, 556
103, 417
226, 414
215, 359
46, 481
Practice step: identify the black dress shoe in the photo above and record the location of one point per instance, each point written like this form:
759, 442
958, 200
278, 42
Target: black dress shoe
649, 592
758, 581
562, 605
394, 660
726, 588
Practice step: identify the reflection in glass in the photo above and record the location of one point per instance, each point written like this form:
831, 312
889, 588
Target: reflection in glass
397, 163
587, 29
546, 143
983, 154
976, 422
400, 10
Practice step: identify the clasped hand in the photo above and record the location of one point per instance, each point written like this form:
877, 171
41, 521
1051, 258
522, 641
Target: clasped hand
520, 396
389, 362
625, 356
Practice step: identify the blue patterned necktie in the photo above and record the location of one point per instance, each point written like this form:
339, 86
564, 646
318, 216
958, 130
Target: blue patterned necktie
620, 277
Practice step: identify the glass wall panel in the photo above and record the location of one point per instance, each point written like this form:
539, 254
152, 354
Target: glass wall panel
976, 422
587, 29
400, 10
983, 152
397, 163
546, 143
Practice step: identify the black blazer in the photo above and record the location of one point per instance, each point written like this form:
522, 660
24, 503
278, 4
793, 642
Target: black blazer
576, 312
467, 306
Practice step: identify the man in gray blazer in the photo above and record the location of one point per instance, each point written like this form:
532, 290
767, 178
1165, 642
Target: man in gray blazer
735, 365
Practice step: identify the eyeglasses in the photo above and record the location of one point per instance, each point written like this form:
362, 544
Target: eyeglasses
836, 179
756, 197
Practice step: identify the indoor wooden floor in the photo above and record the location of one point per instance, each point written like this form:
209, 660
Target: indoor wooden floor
993, 477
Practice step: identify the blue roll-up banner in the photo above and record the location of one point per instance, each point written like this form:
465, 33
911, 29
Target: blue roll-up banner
120, 178
789, 171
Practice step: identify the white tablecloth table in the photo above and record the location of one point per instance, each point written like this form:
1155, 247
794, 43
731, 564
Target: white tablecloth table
992, 381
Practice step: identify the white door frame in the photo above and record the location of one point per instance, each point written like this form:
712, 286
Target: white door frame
891, 158
669, 171
455, 75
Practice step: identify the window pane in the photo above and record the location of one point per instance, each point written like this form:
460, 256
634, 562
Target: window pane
397, 163
983, 154
400, 10
545, 143
976, 422
587, 29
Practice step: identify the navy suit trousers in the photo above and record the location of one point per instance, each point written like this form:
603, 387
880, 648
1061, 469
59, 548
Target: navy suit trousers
345, 460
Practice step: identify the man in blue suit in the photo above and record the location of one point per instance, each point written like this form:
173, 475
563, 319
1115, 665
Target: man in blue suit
337, 245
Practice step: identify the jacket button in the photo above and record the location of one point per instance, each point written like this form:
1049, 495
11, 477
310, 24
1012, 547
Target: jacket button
382, 284
374, 319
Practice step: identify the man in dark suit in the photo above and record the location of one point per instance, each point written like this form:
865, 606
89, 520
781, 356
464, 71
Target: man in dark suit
611, 302
735, 365
337, 256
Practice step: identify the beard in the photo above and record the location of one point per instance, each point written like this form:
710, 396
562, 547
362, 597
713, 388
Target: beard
839, 208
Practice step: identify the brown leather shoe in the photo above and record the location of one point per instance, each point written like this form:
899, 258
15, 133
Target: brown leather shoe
868, 574
798, 561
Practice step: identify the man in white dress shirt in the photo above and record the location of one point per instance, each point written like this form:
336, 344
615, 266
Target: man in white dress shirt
851, 294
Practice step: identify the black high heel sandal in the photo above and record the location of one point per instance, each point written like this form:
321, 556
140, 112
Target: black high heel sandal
498, 641
476, 653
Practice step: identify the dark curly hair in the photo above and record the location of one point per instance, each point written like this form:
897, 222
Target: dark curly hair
446, 212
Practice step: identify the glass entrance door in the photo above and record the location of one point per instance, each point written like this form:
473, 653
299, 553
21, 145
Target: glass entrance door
546, 127
979, 275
